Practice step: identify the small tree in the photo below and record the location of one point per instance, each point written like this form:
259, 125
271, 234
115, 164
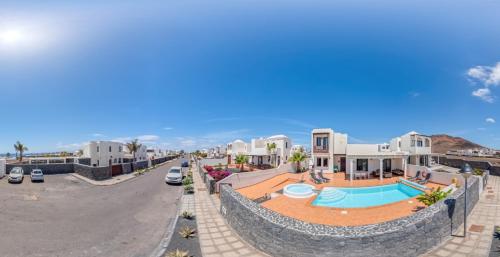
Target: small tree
434, 196
20, 148
271, 148
298, 157
133, 147
241, 160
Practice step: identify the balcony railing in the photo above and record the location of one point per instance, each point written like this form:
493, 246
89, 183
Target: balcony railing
320, 149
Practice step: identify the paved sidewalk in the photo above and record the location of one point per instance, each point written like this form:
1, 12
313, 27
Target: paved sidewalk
481, 223
216, 237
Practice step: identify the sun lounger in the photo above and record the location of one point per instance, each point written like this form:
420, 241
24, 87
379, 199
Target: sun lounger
320, 174
417, 176
314, 178
398, 172
426, 179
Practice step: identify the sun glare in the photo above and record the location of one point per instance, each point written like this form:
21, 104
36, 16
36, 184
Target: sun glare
11, 36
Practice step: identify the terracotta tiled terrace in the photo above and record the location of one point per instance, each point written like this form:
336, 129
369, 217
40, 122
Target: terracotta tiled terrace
303, 210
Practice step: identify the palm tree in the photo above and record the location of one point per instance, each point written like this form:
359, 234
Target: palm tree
241, 160
271, 149
298, 157
21, 149
134, 146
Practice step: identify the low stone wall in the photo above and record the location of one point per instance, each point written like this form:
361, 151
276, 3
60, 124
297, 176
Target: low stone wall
84, 161
141, 165
127, 168
95, 173
48, 169
282, 236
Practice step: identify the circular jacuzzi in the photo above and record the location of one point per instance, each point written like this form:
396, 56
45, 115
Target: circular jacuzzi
299, 190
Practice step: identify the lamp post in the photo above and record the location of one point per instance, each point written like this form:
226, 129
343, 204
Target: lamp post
466, 172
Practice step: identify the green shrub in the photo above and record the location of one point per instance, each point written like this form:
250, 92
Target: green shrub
187, 215
178, 253
433, 196
187, 181
187, 232
189, 189
478, 172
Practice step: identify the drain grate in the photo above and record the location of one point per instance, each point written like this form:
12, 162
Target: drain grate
476, 228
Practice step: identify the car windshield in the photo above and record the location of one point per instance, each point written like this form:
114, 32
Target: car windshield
16, 171
175, 171
37, 172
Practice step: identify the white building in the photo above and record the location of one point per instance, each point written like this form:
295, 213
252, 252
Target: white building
107, 153
273, 150
330, 151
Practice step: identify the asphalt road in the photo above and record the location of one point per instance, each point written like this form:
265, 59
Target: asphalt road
68, 217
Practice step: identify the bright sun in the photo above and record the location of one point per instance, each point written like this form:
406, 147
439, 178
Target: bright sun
11, 36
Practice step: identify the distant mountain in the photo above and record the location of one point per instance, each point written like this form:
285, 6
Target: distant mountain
443, 143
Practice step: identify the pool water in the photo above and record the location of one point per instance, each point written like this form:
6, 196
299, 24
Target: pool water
364, 196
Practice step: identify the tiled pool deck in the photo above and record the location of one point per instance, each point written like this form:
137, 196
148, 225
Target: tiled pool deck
303, 210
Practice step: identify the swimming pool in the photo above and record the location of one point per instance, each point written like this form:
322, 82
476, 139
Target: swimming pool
360, 197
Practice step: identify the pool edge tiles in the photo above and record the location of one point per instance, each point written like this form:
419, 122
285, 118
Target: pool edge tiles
366, 197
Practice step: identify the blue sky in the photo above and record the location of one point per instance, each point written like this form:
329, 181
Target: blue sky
190, 74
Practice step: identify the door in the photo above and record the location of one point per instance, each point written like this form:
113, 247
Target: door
228, 159
116, 170
387, 165
342, 164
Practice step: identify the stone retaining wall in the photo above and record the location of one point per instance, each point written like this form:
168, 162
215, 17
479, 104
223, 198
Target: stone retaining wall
48, 169
141, 165
282, 236
95, 173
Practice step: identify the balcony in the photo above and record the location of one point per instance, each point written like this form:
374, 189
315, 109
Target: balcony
320, 149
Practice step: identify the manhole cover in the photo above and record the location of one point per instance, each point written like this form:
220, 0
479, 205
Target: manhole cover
476, 228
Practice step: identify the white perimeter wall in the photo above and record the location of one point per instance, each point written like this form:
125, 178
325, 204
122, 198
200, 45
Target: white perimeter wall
240, 180
3, 162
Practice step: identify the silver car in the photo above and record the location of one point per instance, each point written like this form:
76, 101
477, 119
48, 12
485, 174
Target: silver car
37, 175
174, 176
16, 175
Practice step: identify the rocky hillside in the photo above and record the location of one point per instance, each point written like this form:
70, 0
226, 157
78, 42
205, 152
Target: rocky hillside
443, 143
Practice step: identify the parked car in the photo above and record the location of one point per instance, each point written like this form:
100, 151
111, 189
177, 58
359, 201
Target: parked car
174, 176
185, 164
37, 175
16, 175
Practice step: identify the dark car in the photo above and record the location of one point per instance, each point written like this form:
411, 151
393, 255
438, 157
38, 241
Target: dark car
185, 164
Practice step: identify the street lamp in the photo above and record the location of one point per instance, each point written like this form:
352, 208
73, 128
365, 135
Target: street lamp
466, 172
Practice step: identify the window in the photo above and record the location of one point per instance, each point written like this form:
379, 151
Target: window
119, 160
98, 161
318, 162
325, 162
413, 142
325, 143
110, 149
98, 151
427, 142
362, 164
318, 141
420, 143
399, 143
286, 145
120, 148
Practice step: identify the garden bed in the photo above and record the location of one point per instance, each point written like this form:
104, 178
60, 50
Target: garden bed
495, 244
192, 245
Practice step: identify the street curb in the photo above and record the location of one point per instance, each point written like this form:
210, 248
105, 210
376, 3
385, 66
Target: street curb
160, 250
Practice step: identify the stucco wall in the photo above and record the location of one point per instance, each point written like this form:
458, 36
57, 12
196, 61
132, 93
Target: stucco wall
282, 236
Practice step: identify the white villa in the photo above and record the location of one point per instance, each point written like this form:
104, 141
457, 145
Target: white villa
330, 151
107, 153
258, 152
